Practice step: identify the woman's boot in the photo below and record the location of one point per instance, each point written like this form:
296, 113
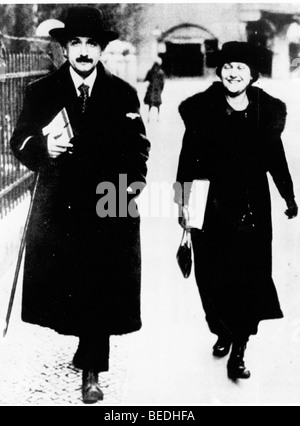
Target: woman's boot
236, 365
222, 347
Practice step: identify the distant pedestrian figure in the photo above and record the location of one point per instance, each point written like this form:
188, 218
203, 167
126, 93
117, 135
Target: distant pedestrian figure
233, 139
156, 79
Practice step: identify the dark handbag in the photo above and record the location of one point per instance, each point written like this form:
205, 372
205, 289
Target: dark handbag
184, 254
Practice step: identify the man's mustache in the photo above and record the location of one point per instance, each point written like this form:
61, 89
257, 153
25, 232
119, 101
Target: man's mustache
84, 59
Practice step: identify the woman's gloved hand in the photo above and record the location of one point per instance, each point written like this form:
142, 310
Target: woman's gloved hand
292, 209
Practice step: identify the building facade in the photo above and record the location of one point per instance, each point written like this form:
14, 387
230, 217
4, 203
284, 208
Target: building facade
184, 35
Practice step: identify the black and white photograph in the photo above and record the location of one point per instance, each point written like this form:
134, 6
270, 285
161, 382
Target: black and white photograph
149, 192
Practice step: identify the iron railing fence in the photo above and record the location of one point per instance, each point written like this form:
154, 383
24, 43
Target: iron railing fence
19, 70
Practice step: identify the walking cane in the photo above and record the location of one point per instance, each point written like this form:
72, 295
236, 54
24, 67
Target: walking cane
20, 257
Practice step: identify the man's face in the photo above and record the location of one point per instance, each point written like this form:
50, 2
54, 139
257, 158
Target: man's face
83, 53
236, 77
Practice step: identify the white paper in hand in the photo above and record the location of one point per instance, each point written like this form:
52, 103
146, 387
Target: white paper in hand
60, 125
198, 202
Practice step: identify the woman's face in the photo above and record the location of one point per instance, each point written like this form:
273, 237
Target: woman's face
236, 77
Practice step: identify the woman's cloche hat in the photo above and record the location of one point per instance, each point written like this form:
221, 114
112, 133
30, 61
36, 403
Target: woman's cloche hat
84, 21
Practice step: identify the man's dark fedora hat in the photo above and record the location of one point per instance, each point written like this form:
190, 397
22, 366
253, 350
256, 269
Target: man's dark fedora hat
247, 53
84, 21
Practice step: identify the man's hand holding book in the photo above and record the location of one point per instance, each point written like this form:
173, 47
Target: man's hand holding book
59, 134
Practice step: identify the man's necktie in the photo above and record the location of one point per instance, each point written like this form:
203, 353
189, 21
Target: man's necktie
84, 95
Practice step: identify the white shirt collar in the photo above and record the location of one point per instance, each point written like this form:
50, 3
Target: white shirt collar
78, 81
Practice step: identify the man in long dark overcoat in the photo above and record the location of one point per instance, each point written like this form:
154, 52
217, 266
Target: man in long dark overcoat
83, 268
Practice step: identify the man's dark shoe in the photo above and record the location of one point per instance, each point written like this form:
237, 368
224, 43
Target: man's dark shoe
91, 392
222, 347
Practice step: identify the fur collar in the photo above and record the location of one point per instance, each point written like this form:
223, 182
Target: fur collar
211, 104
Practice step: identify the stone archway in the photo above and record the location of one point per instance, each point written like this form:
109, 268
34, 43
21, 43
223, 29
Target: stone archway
185, 50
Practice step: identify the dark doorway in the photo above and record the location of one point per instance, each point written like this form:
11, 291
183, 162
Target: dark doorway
260, 34
294, 55
183, 60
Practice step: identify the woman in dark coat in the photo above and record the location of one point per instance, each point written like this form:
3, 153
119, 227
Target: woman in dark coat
233, 138
156, 79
